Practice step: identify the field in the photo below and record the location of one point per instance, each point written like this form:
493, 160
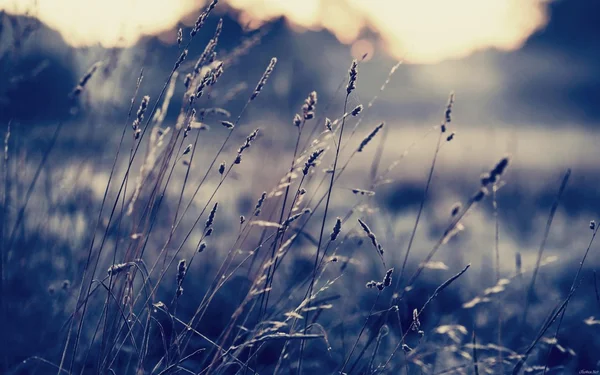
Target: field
167, 215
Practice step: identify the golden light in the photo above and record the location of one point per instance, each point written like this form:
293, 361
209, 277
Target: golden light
110, 23
362, 47
423, 31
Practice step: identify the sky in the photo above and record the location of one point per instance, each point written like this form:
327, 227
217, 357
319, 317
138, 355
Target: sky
425, 31
528, 62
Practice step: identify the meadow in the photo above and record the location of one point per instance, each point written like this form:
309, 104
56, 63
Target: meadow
210, 237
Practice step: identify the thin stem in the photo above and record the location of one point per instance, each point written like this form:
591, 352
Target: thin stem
335, 161
362, 329
562, 188
573, 285
421, 206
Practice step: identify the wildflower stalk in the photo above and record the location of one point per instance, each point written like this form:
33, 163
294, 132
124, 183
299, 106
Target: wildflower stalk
353, 72
308, 113
437, 291
90, 250
442, 129
270, 275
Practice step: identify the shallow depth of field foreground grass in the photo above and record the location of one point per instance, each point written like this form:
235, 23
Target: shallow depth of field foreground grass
214, 239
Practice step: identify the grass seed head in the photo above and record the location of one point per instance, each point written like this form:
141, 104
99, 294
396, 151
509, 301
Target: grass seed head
481, 193
372, 237
416, 326
337, 228
311, 161
263, 80
84, 80
202, 18
259, 204
181, 269
228, 124
118, 268
353, 74
308, 109
357, 110
328, 124
387, 280
248, 141
140, 114
448, 113
218, 30
455, 209
297, 120
181, 59
187, 81
493, 176
206, 56
370, 137
367, 193
211, 216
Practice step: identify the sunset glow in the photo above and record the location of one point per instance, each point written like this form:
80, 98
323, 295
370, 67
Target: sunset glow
423, 31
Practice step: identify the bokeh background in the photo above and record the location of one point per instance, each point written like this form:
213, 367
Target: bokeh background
526, 76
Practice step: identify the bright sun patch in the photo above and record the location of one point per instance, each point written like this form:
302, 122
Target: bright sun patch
423, 31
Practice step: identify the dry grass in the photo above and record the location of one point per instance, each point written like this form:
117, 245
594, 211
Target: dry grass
138, 307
